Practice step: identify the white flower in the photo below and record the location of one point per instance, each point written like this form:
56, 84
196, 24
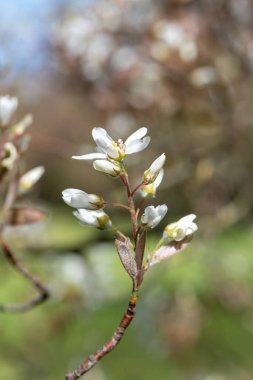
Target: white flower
29, 179
153, 215
93, 218
10, 156
179, 230
150, 189
113, 169
151, 173
79, 199
8, 105
20, 128
108, 148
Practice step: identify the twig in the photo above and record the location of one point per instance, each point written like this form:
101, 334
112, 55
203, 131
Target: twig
110, 345
36, 300
115, 204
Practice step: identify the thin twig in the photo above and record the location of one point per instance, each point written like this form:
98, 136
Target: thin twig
125, 180
115, 204
110, 345
138, 187
35, 301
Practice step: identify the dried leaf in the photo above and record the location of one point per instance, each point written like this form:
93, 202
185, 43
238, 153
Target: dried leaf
24, 215
123, 247
166, 251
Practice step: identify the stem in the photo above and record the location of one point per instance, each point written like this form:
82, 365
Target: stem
111, 344
35, 301
115, 204
137, 187
140, 206
10, 198
150, 256
125, 180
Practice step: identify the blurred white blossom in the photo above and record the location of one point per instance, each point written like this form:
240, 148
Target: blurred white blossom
9, 156
29, 179
8, 105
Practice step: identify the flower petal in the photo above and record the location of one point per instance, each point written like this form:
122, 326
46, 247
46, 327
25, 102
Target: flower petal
186, 220
140, 133
159, 178
91, 156
157, 165
107, 167
137, 145
75, 198
101, 134
104, 142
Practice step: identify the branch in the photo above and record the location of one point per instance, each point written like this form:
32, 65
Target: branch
110, 345
36, 300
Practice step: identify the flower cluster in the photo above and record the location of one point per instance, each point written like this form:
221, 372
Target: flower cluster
109, 159
15, 144
89, 208
110, 153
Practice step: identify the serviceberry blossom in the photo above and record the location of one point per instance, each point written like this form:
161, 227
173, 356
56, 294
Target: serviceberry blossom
151, 173
93, 218
130, 249
179, 230
108, 148
8, 105
108, 167
29, 179
10, 155
153, 215
149, 190
19, 128
80, 199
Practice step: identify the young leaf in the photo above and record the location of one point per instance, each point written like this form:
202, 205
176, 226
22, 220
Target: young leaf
166, 251
123, 247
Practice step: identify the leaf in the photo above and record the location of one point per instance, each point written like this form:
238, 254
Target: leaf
18, 216
167, 251
123, 246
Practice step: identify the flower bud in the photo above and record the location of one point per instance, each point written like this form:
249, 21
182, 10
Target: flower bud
29, 179
9, 156
93, 218
20, 128
8, 105
80, 199
113, 169
153, 215
179, 230
151, 173
148, 191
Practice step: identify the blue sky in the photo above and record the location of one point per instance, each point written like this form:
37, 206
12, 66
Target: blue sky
25, 28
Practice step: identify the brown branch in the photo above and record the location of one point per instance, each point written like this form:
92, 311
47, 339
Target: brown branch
115, 204
36, 300
110, 345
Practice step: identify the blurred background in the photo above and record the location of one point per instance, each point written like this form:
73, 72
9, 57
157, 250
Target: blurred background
183, 69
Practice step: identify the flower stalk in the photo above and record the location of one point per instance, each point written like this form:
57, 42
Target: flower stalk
131, 252
13, 184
